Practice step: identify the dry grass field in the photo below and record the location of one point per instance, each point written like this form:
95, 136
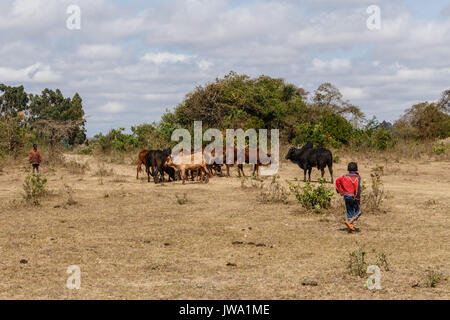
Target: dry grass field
133, 240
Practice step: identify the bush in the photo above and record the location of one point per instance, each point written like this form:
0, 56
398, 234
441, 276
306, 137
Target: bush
76, 168
440, 148
374, 199
274, 193
356, 264
182, 200
382, 261
35, 187
311, 197
383, 139
88, 150
433, 278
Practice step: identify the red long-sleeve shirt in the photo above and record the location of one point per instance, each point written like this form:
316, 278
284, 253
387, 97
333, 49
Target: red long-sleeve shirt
35, 157
349, 186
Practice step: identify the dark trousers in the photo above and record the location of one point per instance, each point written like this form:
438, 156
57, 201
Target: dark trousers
35, 167
353, 208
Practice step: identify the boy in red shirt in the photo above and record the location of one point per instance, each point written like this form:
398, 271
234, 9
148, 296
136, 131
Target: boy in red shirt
349, 186
35, 158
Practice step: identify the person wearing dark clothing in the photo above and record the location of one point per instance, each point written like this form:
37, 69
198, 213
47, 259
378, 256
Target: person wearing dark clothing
35, 158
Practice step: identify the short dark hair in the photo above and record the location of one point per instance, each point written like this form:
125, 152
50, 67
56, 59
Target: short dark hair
352, 166
35, 146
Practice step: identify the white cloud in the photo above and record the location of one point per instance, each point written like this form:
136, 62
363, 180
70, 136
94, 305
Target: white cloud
99, 51
334, 65
205, 65
35, 73
26, 7
166, 57
149, 58
163, 96
112, 107
353, 93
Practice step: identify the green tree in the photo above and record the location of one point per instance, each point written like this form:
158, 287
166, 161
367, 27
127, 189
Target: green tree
12, 101
53, 106
426, 120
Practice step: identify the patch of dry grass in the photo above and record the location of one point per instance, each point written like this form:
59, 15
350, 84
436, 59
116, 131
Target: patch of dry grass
139, 243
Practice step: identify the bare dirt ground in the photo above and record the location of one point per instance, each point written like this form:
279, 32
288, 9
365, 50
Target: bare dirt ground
132, 240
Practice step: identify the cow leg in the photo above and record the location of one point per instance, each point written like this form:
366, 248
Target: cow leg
156, 176
322, 172
309, 174
183, 175
207, 174
241, 168
330, 168
304, 175
256, 170
161, 172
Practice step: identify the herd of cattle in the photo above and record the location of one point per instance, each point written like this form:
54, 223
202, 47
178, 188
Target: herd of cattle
160, 162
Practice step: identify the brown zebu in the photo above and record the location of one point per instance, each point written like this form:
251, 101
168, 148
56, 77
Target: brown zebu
141, 161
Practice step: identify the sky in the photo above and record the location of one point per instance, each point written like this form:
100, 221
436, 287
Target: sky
132, 60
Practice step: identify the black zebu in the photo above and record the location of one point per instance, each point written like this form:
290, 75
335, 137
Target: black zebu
156, 160
307, 158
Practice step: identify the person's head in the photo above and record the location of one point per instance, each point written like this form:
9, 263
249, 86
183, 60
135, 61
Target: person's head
352, 166
35, 146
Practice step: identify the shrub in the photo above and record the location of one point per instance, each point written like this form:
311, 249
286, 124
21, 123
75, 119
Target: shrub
182, 200
102, 171
89, 150
336, 158
373, 199
356, 264
383, 139
76, 168
311, 197
433, 278
35, 187
255, 182
382, 261
69, 191
440, 148
273, 193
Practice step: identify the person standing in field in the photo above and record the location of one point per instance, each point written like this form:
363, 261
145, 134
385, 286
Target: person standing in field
349, 186
35, 158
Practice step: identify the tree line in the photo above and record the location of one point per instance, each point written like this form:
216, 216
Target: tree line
48, 117
234, 101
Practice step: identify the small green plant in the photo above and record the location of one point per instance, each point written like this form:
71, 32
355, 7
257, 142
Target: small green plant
356, 264
2, 160
274, 192
336, 159
373, 199
102, 172
252, 182
35, 187
182, 200
382, 261
433, 278
440, 148
76, 168
69, 191
311, 197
